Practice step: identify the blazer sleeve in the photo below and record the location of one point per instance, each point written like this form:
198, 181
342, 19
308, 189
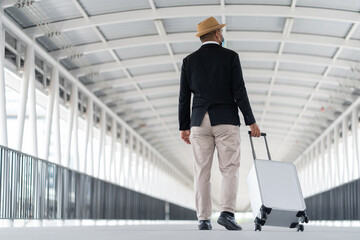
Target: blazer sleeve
239, 91
184, 99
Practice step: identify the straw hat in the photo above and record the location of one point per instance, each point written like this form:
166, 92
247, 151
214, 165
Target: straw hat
208, 25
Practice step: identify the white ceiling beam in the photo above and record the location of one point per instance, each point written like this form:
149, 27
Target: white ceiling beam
293, 103
195, 11
153, 125
249, 85
160, 139
172, 120
189, 37
113, 66
271, 126
170, 113
113, 97
119, 96
248, 73
286, 32
174, 101
98, 85
161, 31
273, 122
146, 114
246, 56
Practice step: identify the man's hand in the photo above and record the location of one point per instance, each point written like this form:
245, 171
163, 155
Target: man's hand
184, 134
255, 131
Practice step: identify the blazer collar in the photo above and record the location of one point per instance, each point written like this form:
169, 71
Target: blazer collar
209, 42
210, 45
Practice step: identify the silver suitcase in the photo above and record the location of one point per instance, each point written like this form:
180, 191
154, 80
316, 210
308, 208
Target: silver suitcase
275, 193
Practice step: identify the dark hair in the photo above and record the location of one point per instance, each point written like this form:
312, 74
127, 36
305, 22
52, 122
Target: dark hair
207, 36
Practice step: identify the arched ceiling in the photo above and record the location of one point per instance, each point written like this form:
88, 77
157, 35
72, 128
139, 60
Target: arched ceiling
300, 60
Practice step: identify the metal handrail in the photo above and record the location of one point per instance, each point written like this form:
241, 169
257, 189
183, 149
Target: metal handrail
34, 188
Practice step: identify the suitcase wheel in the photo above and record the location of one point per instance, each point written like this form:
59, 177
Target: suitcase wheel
300, 228
304, 219
263, 216
257, 227
304, 216
259, 221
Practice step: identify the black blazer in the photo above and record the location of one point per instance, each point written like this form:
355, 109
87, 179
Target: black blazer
213, 74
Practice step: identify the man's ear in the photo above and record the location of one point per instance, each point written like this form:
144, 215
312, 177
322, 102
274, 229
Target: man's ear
217, 35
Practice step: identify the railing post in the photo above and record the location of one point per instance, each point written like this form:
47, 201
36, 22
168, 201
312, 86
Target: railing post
147, 182
345, 129
336, 148
91, 136
122, 155
2, 182
156, 176
129, 176
323, 166
112, 167
312, 168
330, 174
137, 160
144, 155
316, 168
151, 172
89, 118
355, 137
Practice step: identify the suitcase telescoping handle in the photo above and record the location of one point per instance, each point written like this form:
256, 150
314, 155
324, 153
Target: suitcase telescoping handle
252, 145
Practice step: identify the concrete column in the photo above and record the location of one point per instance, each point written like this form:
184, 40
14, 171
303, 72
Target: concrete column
122, 155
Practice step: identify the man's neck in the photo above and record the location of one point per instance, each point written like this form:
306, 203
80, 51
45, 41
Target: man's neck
210, 42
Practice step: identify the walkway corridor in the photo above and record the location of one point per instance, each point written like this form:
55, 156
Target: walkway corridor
178, 232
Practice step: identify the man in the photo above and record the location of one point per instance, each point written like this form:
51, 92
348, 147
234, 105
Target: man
213, 74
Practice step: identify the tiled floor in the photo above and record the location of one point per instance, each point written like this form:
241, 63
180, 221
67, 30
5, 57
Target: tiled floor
175, 232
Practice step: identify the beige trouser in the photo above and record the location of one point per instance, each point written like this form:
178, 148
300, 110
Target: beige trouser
226, 138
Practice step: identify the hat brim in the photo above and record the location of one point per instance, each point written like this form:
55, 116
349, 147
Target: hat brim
210, 29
